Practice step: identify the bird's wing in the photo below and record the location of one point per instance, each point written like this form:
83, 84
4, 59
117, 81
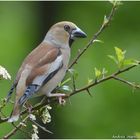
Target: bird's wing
42, 72
41, 56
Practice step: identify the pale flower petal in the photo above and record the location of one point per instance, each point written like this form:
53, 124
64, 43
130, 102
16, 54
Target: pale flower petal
32, 117
4, 73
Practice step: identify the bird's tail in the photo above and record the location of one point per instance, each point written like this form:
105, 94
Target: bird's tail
15, 113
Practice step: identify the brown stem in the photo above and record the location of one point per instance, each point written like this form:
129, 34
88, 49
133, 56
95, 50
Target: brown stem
12, 132
102, 80
95, 36
127, 82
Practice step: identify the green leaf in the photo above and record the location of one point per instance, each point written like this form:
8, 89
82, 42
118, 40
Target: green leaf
105, 20
104, 71
113, 58
96, 40
97, 72
66, 88
65, 81
115, 2
89, 81
128, 62
120, 54
74, 73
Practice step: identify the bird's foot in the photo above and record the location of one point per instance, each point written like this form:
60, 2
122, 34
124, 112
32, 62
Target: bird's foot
61, 100
60, 97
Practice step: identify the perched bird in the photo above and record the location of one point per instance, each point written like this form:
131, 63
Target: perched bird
45, 67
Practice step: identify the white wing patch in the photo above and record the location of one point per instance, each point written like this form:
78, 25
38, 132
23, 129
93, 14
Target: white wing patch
52, 67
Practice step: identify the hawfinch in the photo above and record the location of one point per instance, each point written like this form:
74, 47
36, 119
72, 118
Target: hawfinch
45, 67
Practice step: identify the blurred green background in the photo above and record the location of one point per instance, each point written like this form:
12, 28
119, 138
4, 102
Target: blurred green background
114, 108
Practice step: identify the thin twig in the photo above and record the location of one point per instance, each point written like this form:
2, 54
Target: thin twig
43, 128
77, 91
12, 132
95, 36
127, 82
20, 129
103, 80
73, 83
89, 93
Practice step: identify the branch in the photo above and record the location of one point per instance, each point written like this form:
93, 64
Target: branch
86, 88
95, 36
12, 132
103, 80
127, 82
41, 127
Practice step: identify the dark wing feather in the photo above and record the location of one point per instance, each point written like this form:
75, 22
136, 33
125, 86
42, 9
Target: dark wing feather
28, 93
11, 91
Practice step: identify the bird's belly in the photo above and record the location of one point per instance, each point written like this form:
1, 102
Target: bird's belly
52, 84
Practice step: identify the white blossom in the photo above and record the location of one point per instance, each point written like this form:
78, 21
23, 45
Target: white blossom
35, 136
35, 132
4, 73
46, 117
32, 117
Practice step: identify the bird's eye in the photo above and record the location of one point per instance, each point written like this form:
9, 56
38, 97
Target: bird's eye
67, 28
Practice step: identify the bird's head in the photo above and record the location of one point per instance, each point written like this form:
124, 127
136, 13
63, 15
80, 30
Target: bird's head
64, 33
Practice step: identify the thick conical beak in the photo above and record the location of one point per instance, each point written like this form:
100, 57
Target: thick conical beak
78, 33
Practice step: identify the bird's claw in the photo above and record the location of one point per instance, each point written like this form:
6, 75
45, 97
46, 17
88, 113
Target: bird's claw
61, 101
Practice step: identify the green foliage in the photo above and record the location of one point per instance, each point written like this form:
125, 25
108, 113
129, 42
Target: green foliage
100, 73
120, 55
128, 62
105, 20
89, 81
73, 73
104, 72
62, 87
97, 73
65, 82
113, 58
97, 40
66, 88
120, 59
115, 2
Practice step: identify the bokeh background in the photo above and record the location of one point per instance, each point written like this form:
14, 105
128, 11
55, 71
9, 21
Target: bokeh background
114, 108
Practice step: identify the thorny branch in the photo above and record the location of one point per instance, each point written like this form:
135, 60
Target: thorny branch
95, 36
132, 84
43, 128
112, 76
12, 132
85, 88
